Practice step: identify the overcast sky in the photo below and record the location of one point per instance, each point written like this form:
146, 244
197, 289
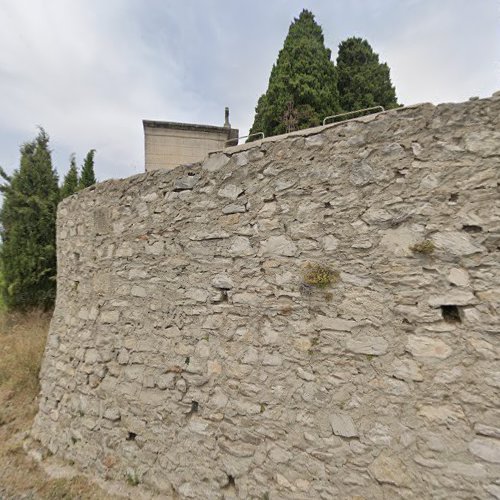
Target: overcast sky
89, 71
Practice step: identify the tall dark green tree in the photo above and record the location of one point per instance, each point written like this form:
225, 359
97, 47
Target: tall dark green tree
28, 228
70, 183
87, 177
302, 88
363, 81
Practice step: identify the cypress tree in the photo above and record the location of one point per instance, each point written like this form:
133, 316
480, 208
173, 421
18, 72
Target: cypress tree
87, 177
363, 81
302, 88
28, 228
70, 184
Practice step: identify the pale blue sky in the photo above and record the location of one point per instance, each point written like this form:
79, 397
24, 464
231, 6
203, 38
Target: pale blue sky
90, 70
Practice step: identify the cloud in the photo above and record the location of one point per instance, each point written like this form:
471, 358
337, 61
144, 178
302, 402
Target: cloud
88, 76
90, 70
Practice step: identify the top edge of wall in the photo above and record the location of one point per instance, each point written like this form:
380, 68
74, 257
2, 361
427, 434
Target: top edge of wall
313, 130
317, 130
229, 151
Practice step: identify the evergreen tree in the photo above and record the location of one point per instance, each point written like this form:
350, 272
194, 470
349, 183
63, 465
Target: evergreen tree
87, 177
302, 88
28, 228
70, 184
363, 81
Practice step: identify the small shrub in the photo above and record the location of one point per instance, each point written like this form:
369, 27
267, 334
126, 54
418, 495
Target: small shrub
319, 276
132, 479
425, 247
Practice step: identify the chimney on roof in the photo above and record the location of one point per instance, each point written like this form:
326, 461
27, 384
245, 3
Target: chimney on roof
226, 116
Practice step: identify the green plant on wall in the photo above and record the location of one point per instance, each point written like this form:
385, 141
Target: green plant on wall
425, 247
319, 276
132, 479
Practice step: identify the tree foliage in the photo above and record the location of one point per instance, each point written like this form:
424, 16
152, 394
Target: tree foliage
305, 86
28, 228
71, 183
302, 88
87, 177
363, 81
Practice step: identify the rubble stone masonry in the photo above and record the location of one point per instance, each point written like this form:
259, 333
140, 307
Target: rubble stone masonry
194, 351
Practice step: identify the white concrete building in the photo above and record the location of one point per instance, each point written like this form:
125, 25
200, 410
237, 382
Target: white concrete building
169, 144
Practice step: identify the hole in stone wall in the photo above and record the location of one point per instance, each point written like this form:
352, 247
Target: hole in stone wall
230, 482
471, 228
223, 296
451, 314
453, 197
194, 406
187, 360
328, 204
131, 436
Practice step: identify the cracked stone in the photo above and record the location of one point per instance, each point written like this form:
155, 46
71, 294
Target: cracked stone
453, 297
406, 369
343, 425
361, 174
487, 449
112, 414
215, 162
330, 243
278, 245
390, 470
222, 281
338, 324
230, 191
110, 316
426, 347
241, 247
233, 209
186, 183
458, 277
375, 346
315, 140
456, 243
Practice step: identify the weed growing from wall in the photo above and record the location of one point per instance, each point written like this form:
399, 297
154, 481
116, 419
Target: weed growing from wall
425, 247
319, 276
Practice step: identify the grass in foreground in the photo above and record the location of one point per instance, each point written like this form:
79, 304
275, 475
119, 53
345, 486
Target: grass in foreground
22, 341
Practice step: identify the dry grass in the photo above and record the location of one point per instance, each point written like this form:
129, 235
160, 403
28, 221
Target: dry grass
22, 341
425, 247
319, 276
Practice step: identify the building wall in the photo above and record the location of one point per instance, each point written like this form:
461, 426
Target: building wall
168, 147
190, 350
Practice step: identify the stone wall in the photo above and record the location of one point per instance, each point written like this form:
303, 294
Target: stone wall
191, 350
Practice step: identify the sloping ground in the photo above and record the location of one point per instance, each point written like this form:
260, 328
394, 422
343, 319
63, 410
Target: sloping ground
313, 316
